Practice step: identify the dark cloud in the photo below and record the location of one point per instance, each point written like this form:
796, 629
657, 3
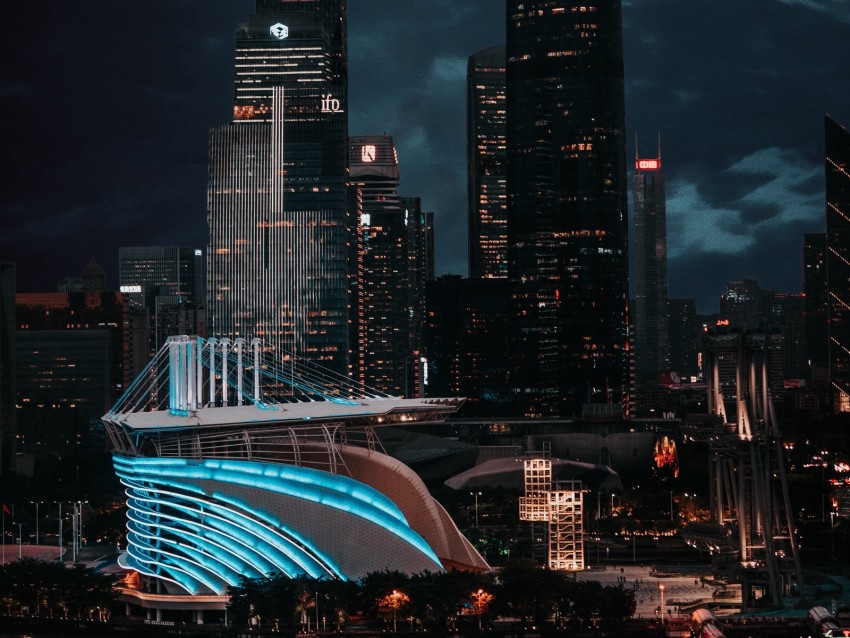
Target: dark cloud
106, 111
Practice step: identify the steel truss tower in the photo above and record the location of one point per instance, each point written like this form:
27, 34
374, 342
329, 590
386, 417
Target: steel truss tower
748, 485
560, 505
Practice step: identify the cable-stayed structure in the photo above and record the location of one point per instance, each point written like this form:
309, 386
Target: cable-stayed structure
238, 461
236, 372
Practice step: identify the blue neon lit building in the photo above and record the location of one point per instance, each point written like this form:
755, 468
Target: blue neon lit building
236, 466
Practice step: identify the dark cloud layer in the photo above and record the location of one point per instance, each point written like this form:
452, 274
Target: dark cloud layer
106, 108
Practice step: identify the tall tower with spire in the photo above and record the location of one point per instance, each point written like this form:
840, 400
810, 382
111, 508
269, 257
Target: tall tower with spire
652, 338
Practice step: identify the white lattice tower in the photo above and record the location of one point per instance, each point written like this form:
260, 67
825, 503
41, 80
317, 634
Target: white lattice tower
534, 506
566, 528
561, 508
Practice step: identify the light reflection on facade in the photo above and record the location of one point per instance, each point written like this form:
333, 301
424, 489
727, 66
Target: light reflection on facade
277, 202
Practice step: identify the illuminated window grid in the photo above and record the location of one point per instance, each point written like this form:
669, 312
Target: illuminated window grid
562, 508
566, 546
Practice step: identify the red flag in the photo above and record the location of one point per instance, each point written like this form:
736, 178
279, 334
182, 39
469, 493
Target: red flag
6, 510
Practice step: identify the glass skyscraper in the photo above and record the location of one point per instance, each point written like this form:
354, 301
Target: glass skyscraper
652, 339
567, 213
374, 172
277, 202
836, 166
485, 149
815, 304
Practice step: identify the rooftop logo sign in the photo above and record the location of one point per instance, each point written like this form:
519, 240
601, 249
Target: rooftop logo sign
279, 31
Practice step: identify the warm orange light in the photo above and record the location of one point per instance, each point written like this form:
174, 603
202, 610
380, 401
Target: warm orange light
648, 164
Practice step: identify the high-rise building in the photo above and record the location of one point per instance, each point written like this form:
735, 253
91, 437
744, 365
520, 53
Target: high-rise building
420, 271
567, 212
468, 324
278, 214
7, 367
652, 339
685, 331
485, 158
161, 283
815, 304
149, 271
744, 305
71, 352
837, 168
374, 172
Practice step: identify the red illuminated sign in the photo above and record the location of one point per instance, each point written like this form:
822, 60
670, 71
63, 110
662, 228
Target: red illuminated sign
648, 164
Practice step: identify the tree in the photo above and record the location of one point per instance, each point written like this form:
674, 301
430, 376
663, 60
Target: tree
529, 591
391, 603
480, 601
257, 599
77, 591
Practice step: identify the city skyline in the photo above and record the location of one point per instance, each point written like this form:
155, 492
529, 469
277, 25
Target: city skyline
110, 150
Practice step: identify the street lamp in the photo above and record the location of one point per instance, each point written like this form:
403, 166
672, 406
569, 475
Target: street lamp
36, 503
20, 537
832, 533
476, 495
661, 587
59, 503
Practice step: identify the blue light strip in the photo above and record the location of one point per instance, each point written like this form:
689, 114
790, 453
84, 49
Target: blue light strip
265, 541
245, 536
246, 539
178, 532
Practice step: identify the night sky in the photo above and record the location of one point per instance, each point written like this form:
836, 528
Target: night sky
106, 107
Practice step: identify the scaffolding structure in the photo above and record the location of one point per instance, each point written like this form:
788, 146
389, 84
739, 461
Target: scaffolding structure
559, 505
748, 484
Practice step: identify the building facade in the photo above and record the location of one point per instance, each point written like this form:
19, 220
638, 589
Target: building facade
420, 269
244, 466
468, 324
385, 283
165, 288
815, 304
71, 358
278, 202
8, 416
161, 270
685, 330
837, 169
567, 212
652, 338
486, 163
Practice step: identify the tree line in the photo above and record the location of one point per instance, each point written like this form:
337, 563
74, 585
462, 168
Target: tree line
520, 590
31, 587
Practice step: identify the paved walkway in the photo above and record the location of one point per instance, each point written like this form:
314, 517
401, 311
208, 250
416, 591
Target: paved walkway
681, 588
13, 551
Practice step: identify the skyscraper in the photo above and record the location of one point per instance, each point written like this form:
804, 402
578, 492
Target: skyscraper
485, 157
652, 338
374, 172
815, 304
837, 169
161, 270
277, 202
566, 186
161, 283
